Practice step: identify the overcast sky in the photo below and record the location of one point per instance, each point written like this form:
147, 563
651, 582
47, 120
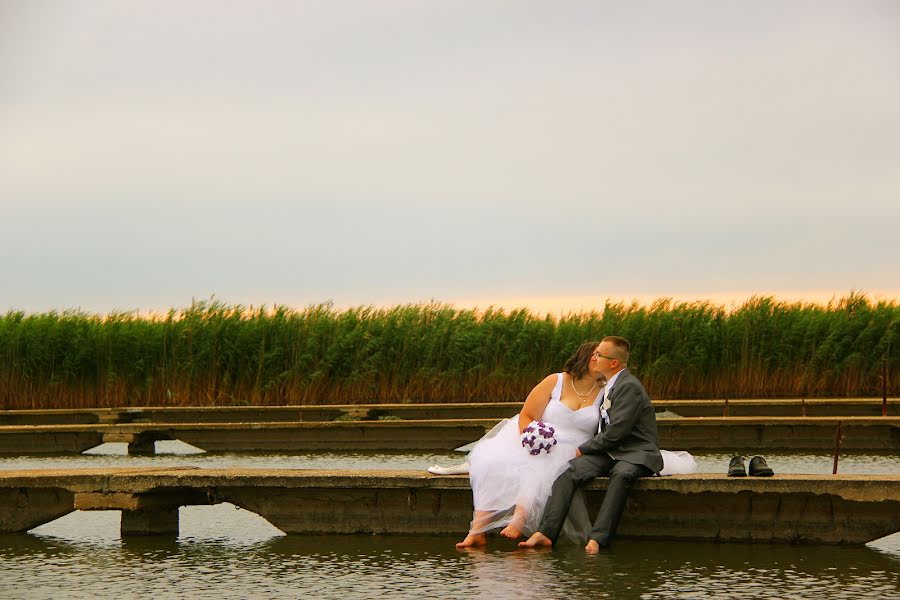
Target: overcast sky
386, 152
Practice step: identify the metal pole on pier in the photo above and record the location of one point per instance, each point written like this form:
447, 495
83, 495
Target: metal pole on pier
837, 447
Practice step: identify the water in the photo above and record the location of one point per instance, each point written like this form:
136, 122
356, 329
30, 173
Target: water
179, 454
230, 553
222, 551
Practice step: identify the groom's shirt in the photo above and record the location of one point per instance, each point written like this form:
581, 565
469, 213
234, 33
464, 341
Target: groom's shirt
604, 408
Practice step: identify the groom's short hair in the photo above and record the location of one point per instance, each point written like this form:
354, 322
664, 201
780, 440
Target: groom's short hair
621, 347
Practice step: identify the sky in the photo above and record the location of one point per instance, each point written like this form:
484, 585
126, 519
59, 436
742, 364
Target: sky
542, 154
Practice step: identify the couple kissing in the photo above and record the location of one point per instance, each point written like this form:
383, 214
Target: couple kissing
594, 419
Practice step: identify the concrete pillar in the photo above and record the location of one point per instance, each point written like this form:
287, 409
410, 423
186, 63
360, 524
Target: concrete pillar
142, 442
139, 442
155, 521
142, 445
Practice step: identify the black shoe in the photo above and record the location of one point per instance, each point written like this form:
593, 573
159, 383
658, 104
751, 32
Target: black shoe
736, 467
759, 467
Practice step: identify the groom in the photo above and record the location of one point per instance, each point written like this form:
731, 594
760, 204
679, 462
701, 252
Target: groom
624, 449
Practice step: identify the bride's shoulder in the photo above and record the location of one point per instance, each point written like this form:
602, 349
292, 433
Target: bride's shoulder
552, 378
549, 382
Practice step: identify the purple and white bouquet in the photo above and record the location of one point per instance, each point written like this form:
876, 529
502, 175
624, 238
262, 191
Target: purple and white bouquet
538, 437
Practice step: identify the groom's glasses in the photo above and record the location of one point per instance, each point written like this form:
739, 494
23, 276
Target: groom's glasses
598, 355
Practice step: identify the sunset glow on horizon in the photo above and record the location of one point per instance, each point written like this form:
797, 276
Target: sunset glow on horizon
559, 305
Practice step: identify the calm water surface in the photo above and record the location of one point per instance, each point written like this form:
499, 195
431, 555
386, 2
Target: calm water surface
226, 552
174, 453
223, 552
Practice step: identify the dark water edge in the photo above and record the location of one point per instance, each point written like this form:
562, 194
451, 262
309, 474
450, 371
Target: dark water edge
224, 552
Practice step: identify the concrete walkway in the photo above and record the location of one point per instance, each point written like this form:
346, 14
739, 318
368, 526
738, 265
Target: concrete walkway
792, 407
744, 434
843, 509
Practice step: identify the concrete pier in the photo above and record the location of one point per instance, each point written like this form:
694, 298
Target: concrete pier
813, 509
739, 434
795, 407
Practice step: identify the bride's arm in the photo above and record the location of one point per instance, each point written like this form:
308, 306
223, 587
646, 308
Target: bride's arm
537, 402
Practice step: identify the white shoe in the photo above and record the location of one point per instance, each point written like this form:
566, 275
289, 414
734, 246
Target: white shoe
454, 470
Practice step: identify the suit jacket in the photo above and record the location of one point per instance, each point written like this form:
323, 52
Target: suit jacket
631, 433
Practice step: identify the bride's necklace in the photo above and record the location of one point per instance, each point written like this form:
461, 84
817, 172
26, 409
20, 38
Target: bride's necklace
587, 393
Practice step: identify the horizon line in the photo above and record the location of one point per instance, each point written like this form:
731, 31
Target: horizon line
537, 305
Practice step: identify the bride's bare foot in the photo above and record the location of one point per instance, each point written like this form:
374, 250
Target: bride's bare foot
511, 531
537, 540
514, 530
592, 547
473, 540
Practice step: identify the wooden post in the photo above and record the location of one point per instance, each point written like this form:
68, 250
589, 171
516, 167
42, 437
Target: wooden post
803, 407
725, 413
884, 386
837, 447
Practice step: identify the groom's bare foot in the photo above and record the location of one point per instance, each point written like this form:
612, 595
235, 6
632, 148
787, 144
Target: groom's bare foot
592, 547
511, 531
537, 540
473, 540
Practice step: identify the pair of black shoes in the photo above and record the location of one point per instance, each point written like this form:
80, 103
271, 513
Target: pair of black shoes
758, 467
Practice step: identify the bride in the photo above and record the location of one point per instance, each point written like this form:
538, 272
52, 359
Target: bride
511, 486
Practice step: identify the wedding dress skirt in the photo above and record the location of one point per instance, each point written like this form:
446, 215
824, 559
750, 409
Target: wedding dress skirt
504, 475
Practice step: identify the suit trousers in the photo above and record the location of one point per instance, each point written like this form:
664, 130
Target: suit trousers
583, 469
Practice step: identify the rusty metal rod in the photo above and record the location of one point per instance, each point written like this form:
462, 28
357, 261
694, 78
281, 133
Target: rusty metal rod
837, 447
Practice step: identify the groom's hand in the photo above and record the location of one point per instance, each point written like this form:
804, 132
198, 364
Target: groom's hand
577, 452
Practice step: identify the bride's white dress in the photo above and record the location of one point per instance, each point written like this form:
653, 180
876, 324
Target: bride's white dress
504, 475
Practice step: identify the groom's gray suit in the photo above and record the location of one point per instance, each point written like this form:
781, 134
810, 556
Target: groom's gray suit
626, 448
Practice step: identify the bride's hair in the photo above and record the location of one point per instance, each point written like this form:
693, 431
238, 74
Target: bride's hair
577, 365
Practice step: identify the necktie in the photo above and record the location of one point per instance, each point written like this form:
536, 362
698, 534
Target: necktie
604, 410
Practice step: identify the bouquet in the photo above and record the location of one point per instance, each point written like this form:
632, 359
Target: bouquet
538, 437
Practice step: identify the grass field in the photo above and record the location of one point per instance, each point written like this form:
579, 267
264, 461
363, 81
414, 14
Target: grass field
215, 354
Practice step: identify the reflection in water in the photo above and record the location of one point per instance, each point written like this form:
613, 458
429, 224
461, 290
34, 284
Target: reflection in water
228, 552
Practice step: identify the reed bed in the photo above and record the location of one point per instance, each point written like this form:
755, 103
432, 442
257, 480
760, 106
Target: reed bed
216, 354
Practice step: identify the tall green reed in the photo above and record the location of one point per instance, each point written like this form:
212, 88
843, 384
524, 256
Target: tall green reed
216, 354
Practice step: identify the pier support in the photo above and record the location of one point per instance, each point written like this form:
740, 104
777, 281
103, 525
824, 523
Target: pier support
153, 513
141, 442
22, 509
158, 521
